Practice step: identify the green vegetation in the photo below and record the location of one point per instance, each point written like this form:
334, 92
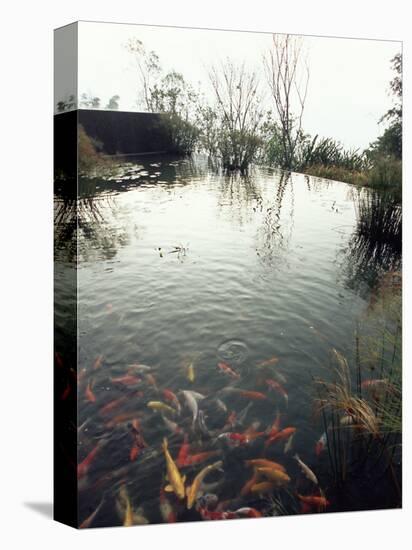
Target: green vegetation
361, 408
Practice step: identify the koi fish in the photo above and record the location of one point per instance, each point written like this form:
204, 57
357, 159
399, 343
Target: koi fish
198, 458
138, 368
226, 369
195, 487
288, 444
65, 394
151, 380
166, 510
279, 436
126, 380
306, 470
183, 452
264, 463
89, 520
84, 466
247, 487
235, 438
277, 476
177, 482
191, 400
112, 405
320, 445
374, 383
313, 501
273, 385
267, 362
172, 426
58, 359
89, 394
248, 512
216, 514
124, 508
170, 396
98, 362
191, 372
160, 406
255, 395
123, 417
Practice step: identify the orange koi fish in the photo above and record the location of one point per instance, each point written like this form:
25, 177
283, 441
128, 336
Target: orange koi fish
198, 458
264, 463
84, 466
89, 393
126, 380
112, 405
313, 501
267, 362
255, 395
226, 369
247, 487
279, 436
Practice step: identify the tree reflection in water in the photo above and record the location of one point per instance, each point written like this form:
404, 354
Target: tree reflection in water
84, 226
376, 244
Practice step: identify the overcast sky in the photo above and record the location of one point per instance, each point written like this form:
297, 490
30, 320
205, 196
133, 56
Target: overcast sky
349, 79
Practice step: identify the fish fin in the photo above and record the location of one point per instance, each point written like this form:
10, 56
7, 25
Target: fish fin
183, 479
169, 489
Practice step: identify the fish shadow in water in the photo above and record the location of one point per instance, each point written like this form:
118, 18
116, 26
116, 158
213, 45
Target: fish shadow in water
43, 508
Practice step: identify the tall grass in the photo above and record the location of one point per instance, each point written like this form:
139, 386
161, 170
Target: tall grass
361, 407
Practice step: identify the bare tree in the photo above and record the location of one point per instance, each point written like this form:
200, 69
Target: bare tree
288, 81
148, 68
239, 114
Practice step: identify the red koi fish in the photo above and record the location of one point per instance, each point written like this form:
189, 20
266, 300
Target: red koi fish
198, 458
138, 442
226, 369
313, 501
248, 512
273, 385
66, 392
240, 439
112, 405
280, 436
89, 394
172, 398
84, 466
58, 359
183, 452
267, 362
127, 380
216, 515
166, 509
255, 395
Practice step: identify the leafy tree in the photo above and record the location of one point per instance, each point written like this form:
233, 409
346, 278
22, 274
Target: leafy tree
390, 142
113, 103
66, 104
89, 101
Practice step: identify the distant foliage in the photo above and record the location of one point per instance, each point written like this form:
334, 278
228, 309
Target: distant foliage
231, 128
113, 103
88, 101
67, 104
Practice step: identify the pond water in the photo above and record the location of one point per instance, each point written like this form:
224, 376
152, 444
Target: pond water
181, 269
